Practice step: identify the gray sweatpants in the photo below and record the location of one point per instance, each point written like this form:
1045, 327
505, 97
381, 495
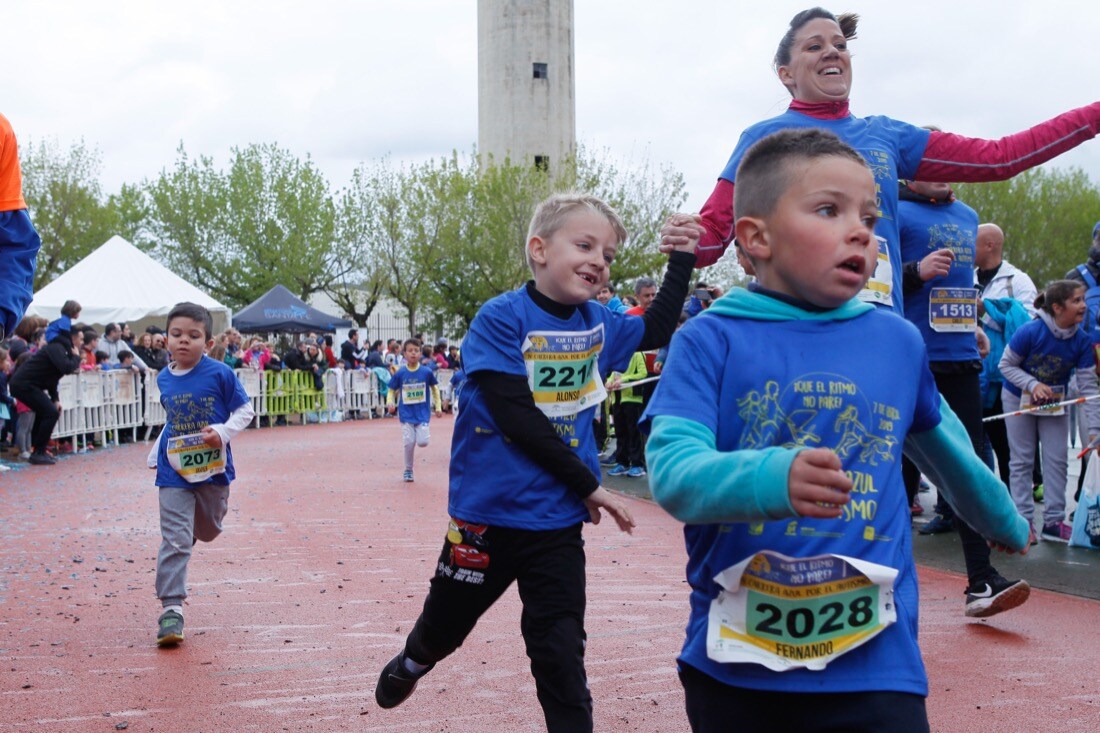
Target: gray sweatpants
1052, 432
186, 515
412, 435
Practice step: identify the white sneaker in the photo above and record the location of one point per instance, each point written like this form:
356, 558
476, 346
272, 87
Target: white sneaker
25, 455
4, 468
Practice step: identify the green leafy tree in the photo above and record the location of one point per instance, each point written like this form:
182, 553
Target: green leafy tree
483, 251
269, 219
644, 195
1047, 216
66, 204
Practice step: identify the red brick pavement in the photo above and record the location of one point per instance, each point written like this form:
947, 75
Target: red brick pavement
322, 569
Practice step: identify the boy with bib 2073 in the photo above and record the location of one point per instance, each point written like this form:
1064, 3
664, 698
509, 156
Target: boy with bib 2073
206, 407
784, 463
524, 474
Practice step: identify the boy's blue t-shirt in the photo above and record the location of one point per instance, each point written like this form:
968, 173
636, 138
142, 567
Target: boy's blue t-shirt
924, 229
893, 151
414, 395
1049, 359
856, 386
492, 481
206, 395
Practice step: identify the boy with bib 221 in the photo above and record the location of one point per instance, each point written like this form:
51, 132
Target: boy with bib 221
206, 407
784, 463
410, 386
524, 471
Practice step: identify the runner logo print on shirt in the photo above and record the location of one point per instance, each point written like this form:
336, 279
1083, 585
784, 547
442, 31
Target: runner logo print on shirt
822, 410
563, 370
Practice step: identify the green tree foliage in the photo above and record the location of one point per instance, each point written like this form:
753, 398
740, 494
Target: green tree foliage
490, 209
644, 196
1047, 216
268, 219
66, 204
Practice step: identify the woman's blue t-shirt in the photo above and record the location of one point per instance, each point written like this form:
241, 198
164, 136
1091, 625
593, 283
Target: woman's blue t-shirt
893, 151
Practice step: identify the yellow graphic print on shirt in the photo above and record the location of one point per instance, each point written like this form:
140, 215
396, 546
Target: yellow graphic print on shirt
822, 410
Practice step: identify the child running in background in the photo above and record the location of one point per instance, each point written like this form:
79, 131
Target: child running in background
1037, 364
524, 471
407, 395
206, 407
784, 464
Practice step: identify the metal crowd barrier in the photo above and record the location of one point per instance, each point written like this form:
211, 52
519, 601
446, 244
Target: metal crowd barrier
107, 402
99, 402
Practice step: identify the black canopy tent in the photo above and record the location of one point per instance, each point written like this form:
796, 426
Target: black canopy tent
280, 311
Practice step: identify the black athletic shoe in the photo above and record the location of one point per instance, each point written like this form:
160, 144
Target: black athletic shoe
42, 459
170, 628
938, 525
396, 683
995, 595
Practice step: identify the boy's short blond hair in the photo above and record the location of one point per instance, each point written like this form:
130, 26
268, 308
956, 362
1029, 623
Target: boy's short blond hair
552, 213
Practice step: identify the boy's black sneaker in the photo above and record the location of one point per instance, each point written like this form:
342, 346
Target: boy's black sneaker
396, 683
170, 628
42, 459
995, 595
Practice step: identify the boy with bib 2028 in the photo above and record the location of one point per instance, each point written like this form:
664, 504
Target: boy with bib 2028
784, 463
524, 471
411, 386
206, 407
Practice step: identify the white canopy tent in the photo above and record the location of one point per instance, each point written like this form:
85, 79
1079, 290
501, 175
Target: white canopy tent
118, 283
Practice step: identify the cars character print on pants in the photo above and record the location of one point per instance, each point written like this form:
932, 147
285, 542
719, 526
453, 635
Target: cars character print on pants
469, 550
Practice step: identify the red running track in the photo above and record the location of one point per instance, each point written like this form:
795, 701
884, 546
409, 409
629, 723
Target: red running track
322, 569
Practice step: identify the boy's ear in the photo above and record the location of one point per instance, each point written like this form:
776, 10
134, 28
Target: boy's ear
752, 235
209, 344
536, 246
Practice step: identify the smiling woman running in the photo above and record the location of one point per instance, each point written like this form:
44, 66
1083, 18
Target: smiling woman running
814, 63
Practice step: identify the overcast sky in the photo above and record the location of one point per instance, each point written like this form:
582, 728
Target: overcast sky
348, 81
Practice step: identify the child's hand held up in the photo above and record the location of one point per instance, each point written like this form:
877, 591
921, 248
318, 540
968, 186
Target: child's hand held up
681, 232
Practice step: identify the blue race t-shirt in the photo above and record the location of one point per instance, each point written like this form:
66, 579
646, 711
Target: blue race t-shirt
1049, 359
414, 396
893, 151
819, 384
206, 395
925, 228
565, 362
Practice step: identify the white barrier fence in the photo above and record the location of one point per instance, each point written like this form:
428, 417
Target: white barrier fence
99, 402
107, 403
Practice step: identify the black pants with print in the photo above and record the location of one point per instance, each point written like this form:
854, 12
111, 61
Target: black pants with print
548, 568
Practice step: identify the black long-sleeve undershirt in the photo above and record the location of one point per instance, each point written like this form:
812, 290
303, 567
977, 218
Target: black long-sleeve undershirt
512, 406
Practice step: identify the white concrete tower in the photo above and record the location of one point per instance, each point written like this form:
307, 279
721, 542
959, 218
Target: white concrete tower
526, 108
